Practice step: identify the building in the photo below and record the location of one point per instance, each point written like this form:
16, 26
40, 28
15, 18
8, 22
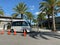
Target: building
58, 22
45, 23
4, 20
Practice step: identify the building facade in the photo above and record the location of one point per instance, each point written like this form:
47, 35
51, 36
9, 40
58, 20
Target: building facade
46, 24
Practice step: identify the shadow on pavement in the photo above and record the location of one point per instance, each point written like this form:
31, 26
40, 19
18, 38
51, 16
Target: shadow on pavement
35, 35
43, 35
52, 34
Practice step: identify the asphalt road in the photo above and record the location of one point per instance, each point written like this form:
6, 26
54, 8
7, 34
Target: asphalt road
34, 38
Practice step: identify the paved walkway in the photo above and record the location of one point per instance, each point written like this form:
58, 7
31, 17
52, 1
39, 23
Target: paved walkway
35, 38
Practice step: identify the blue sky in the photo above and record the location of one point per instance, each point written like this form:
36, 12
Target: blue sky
8, 5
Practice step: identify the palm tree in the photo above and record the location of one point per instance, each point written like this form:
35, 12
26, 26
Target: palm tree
21, 8
40, 18
1, 12
14, 15
29, 16
48, 12
34, 20
52, 5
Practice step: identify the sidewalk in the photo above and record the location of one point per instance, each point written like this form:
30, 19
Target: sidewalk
43, 30
46, 30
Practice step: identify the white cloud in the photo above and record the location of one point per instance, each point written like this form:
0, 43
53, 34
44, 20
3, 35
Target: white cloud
32, 7
44, 12
36, 13
8, 15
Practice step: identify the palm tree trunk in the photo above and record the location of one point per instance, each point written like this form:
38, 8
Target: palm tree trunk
41, 23
30, 21
53, 17
21, 16
49, 21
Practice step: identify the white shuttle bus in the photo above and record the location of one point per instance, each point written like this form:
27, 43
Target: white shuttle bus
19, 26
